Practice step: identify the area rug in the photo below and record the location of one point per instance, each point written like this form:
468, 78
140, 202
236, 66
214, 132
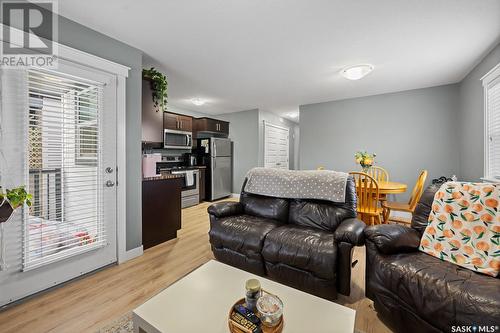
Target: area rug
121, 325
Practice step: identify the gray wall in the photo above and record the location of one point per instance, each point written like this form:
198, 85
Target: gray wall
471, 120
243, 131
82, 38
409, 131
283, 122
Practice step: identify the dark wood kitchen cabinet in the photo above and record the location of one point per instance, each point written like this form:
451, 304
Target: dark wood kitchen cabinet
152, 118
161, 210
177, 122
211, 125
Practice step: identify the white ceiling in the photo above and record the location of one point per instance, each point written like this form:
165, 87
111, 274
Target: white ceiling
279, 54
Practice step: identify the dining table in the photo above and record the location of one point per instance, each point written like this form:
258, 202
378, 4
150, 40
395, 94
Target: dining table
389, 187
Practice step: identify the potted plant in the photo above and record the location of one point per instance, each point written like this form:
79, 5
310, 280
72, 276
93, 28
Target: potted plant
12, 199
159, 86
365, 159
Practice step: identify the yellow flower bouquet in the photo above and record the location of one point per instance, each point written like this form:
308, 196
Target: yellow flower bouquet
365, 159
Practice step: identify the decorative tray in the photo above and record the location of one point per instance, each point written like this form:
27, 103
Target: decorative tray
236, 328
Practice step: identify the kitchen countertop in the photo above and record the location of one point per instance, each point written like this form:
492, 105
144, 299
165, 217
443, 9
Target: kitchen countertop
173, 175
194, 167
162, 177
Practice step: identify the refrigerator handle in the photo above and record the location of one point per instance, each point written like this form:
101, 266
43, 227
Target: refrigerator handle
215, 148
215, 162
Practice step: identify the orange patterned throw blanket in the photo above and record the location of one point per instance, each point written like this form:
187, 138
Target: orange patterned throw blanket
464, 226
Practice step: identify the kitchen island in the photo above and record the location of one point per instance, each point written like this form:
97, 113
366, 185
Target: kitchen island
161, 208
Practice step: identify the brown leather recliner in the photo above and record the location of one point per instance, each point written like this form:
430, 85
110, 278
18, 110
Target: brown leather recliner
306, 244
415, 292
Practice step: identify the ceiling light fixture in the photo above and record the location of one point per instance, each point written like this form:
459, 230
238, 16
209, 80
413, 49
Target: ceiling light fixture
356, 72
198, 101
293, 115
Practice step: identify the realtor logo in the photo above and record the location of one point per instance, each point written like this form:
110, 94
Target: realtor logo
29, 30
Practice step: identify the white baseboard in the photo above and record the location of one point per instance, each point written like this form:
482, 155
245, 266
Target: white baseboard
235, 195
131, 254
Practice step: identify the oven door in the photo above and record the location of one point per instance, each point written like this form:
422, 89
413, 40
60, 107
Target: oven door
191, 189
173, 139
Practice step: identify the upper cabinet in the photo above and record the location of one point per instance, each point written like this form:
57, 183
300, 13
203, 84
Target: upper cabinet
178, 122
155, 121
212, 125
152, 119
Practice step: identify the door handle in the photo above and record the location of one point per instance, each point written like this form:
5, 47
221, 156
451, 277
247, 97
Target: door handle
110, 183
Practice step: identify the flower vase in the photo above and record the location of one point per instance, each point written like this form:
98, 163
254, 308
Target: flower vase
6, 211
366, 168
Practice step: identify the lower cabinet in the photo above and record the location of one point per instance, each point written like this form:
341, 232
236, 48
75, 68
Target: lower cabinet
161, 210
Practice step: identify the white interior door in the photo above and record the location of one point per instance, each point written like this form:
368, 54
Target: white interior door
66, 125
276, 146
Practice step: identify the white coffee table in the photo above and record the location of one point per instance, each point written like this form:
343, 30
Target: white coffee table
200, 302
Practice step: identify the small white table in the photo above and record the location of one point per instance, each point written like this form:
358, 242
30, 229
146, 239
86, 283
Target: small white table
200, 302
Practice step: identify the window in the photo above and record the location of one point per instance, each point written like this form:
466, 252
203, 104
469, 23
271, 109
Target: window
491, 83
64, 175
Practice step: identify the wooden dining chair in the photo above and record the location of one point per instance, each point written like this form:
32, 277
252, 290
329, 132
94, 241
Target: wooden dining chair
409, 207
379, 173
367, 193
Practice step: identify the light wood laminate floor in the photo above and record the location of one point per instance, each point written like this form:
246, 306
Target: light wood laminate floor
87, 304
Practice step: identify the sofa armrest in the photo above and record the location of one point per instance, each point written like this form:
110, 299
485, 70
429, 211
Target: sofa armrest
393, 238
224, 209
351, 231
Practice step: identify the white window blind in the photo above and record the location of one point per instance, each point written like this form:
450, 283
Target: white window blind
492, 125
64, 161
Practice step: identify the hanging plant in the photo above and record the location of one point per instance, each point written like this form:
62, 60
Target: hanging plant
11, 200
159, 86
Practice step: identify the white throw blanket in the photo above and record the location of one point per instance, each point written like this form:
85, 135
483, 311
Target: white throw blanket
292, 184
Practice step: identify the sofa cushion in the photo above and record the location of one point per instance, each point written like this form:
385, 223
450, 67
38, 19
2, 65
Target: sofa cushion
431, 287
318, 214
304, 248
240, 233
265, 207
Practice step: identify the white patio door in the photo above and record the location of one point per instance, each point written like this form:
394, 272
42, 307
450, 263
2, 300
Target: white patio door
65, 121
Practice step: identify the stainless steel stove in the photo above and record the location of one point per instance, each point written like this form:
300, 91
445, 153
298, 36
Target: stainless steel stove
190, 194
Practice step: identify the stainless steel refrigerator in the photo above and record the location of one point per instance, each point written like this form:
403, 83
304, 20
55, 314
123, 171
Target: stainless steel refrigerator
220, 167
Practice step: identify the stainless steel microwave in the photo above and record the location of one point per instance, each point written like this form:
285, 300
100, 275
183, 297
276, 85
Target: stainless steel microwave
173, 139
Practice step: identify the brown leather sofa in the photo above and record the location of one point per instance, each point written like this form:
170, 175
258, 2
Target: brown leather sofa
415, 292
306, 244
